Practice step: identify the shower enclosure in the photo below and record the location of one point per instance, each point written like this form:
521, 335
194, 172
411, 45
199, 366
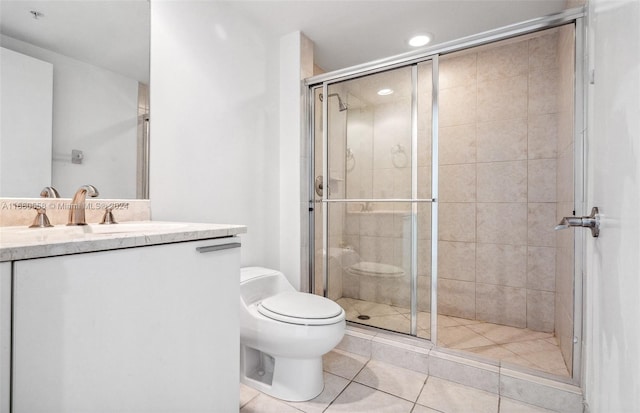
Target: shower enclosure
437, 183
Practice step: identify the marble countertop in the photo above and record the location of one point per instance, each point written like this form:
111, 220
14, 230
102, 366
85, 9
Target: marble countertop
20, 243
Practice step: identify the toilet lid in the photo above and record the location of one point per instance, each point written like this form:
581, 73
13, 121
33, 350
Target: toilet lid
301, 308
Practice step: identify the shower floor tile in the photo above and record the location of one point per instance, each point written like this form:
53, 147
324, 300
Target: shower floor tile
517, 346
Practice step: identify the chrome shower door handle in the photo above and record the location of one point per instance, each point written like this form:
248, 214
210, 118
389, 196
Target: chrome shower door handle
592, 222
319, 185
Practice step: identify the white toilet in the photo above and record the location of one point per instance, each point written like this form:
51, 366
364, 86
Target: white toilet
283, 335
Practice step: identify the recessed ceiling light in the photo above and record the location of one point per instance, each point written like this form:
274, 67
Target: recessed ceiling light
420, 40
385, 92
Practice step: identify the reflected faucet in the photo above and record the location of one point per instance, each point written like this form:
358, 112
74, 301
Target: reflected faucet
366, 207
76, 209
49, 192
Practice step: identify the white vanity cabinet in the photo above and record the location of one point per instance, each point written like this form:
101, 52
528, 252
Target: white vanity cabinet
147, 329
5, 335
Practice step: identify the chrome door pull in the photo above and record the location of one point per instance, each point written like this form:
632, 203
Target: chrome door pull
592, 222
220, 247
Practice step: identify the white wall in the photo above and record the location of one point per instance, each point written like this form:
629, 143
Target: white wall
296, 63
214, 122
612, 328
25, 127
94, 110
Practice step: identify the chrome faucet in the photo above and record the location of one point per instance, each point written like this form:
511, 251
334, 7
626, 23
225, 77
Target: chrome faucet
76, 209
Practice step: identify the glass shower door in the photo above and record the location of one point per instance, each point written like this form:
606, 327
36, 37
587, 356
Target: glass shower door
376, 235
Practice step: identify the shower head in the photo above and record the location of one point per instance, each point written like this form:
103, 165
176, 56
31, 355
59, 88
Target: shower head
341, 105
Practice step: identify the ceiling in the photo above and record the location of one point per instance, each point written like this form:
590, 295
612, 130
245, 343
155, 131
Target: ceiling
347, 33
115, 34
111, 34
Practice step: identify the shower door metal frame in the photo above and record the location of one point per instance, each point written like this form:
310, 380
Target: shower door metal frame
576, 16
414, 200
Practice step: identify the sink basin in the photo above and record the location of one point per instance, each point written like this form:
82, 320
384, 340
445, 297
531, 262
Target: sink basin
10, 236
140, 227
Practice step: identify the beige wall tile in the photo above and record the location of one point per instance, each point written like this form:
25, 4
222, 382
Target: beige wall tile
424, 182
543, 136
502, 305
457, 222
456, 298
424, 221
543, 51
424, 293
543, 91
402, 180
503, 61
393, 290
504, 223
458, 106
457, 260
564, 178
499, 107
541, 268
541, 222
540, 310
502, 99
391, 127
424, 147
382, 183
501, 264
502, 181
457, 71
457, 144
542, 180
565, 131
503, 140
457, 183
350, 285
377, 224
424, 257
376, 249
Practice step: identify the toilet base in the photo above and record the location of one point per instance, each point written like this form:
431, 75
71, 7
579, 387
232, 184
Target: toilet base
281, 377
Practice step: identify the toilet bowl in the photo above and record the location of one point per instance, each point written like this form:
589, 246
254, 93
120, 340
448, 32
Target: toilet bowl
283, 335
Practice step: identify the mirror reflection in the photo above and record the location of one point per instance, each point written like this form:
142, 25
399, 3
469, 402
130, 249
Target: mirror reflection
74, 97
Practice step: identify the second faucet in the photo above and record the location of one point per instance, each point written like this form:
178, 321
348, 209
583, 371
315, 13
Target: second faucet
76, 209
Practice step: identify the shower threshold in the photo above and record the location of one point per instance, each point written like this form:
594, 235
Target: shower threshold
519, 346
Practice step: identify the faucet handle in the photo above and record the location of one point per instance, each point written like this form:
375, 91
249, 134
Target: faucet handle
49, 192
41, 220
108, 218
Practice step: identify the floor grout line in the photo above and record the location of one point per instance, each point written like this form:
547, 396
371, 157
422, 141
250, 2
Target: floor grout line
460, 324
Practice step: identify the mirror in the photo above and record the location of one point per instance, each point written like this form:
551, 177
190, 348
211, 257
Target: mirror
75, 106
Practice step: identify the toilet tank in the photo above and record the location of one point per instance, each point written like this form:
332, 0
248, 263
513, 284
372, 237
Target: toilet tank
258, 283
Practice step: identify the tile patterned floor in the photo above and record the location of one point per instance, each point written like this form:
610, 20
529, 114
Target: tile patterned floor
519, 346
357, 384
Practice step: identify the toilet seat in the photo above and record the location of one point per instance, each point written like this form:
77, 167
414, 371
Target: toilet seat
375, 269
301, 308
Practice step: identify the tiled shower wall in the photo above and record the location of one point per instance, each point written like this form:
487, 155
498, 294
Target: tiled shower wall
565, 194
505, 177
499, 133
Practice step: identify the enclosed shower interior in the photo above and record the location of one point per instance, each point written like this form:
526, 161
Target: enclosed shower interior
505, 175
